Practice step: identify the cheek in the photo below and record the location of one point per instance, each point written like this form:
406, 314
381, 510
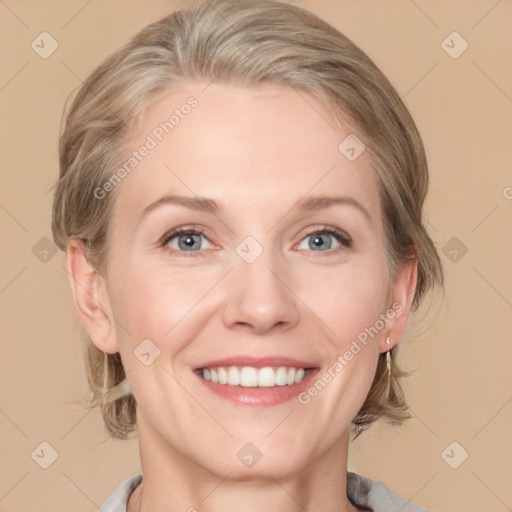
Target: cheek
350, 304
150, 302
156, 303
348, 300
159, 306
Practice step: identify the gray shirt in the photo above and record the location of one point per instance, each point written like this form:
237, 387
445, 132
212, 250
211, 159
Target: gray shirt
361, 491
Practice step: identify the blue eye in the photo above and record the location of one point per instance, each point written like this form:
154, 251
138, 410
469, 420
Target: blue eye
188, 240
321, 239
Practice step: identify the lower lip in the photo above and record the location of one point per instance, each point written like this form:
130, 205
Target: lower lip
259, 396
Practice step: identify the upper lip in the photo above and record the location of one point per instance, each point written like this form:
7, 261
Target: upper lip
257, 362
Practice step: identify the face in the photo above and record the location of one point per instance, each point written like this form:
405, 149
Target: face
226, 265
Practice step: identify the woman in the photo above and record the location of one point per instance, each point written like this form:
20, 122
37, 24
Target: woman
240, 202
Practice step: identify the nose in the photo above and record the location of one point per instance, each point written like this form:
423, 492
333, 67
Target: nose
259, 298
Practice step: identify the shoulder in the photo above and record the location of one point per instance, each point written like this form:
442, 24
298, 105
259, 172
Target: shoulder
118, 501
374, 495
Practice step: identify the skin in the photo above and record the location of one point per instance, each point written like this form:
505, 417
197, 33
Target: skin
257, 151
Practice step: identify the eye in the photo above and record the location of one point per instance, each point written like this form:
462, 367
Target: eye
185, 240
321, 239
191, 240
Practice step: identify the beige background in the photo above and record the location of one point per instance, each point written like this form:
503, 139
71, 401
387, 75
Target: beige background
461, 390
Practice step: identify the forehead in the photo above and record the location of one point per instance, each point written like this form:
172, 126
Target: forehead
265, 146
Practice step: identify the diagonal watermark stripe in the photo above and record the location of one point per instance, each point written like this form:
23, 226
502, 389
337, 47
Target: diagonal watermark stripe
300, 300
10, 419
75, 15
491, 285
76, 424
491, 491
491, 80
109, 313
297, 202
485, 218
84, 493
424, 13
13, 279
492, 417
14, 218
486, 14
200, 404
281, 422
14, 76
416, 494
93, 93
216, 487
193, 193
423, 423
5, 495
286, 491
200, 299
13, 13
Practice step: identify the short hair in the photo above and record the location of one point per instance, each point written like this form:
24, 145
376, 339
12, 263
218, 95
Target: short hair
245, 43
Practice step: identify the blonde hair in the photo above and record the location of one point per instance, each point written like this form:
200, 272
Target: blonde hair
247, 42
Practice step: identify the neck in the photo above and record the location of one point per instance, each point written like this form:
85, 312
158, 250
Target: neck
172, 482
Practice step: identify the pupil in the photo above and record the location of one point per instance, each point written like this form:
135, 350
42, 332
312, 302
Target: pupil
188, 241
319, 242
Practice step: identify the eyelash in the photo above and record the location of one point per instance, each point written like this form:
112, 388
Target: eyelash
340, 236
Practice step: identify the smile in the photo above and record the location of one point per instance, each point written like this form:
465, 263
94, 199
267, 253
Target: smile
249, 380
251, 377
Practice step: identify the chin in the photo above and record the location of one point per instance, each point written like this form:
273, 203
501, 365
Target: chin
245, 460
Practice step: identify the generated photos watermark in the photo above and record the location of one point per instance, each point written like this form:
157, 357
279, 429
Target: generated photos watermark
152, 140
355, 347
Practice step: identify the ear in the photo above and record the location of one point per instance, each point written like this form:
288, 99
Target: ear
403, 288
91, 298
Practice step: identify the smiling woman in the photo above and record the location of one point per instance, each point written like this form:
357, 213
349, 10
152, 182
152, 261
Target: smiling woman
244, 286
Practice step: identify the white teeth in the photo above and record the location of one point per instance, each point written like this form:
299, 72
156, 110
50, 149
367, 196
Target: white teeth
281, 376
250, 377
266, 378
223, 376
299, 375
233, 376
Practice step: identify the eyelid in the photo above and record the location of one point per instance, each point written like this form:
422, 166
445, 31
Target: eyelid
181, 230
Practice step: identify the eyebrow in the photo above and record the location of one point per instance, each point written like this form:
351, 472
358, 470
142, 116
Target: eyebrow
319, 202
201, 204
204, 204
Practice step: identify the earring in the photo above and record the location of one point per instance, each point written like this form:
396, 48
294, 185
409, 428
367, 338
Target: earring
388, 364
388, 357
